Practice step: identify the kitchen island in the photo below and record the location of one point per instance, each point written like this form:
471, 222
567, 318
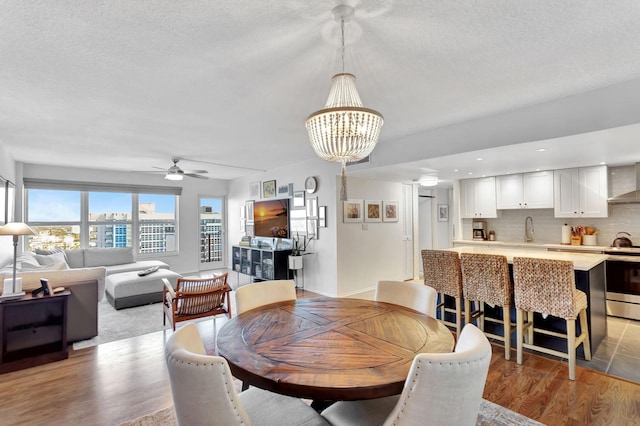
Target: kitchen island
590, 278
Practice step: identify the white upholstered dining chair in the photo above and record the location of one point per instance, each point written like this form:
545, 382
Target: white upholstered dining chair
204, 393
441, 389
419, 297
253, 295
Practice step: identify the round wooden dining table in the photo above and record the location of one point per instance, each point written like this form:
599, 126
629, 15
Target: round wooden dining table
329, 348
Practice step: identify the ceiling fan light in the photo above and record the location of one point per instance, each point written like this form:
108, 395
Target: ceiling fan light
173, 176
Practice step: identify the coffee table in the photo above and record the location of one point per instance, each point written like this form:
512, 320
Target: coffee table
329, 348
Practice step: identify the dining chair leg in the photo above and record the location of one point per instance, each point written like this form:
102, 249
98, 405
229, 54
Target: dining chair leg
519, 334
530, 327
458, 316
571, 346
506, 317
481, 315
467, 311
584, 328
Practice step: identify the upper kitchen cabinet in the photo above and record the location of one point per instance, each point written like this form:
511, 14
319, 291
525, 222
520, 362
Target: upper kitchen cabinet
581, 192
478, 198
525, 191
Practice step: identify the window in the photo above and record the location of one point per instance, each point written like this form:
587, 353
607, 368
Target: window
112, 219
55, 216
157, 219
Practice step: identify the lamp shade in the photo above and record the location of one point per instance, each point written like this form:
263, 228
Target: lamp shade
16, 228
344, 131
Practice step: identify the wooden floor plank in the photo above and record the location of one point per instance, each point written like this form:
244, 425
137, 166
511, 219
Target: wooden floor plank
118, 381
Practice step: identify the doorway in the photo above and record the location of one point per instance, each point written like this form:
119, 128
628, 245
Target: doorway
212, 226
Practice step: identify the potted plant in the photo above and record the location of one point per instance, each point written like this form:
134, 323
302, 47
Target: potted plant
299, 246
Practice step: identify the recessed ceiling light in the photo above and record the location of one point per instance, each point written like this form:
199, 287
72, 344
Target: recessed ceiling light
469, 173
602, 163
484, 175
541, 149
455, 170
537, 170
429, 181
479, 158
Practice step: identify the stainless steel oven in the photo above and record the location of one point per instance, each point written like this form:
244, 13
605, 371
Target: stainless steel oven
623, 282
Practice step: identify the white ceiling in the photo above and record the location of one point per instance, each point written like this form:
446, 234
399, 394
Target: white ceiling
126, 85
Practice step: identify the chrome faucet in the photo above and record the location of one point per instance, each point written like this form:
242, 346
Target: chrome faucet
528, 229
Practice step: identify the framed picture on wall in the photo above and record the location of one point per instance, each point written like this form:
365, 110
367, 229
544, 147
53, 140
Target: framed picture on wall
285, 190
443, 212
312, 207
254, 190
352, 211
372, 211
322, 217
249, 212
269, 189
298, 221
389, 211
298, 199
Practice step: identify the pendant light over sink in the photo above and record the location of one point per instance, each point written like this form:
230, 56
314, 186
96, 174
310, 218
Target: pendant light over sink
344, 130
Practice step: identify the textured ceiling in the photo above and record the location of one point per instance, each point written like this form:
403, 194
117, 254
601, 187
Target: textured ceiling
126, 85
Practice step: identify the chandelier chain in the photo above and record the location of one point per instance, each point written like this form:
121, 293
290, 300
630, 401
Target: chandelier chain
342, 49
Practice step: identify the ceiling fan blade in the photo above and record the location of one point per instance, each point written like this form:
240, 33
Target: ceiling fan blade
197, 176
188, 172
160, 168
163, 171
225, 165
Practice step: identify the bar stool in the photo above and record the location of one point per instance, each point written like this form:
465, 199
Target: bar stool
485, 280
442, 272
548, 286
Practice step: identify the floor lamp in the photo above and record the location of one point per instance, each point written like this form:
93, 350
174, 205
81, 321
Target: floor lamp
13, 287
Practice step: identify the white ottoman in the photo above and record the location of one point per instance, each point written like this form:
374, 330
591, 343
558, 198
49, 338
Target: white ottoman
127, 289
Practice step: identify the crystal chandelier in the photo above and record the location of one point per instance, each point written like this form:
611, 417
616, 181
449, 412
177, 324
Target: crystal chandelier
344, 131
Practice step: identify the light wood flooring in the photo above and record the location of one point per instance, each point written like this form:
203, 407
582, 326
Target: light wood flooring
118, 381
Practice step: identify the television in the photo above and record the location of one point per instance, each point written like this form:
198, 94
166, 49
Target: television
271, 218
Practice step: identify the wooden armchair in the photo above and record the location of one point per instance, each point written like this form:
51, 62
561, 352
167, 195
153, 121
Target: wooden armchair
195, 298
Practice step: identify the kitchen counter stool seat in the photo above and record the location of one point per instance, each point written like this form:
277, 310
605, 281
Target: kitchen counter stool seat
485, 280
548, 287
442, 272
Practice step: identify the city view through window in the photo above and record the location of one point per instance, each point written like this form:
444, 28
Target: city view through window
211, 246
56, 217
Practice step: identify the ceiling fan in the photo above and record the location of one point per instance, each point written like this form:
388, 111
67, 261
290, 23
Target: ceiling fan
176, 173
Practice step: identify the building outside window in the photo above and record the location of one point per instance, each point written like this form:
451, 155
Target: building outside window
56, 217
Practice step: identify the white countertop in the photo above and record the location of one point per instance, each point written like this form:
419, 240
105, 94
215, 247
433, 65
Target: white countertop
581, 261
530, 246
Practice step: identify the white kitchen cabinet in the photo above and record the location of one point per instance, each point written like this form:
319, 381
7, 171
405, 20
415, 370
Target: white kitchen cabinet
581, 192
478, 198
528, 190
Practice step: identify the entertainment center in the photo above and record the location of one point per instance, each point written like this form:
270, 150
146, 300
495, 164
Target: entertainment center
265, 259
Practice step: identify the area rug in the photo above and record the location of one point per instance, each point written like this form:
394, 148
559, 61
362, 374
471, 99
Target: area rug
490, 415
124, 323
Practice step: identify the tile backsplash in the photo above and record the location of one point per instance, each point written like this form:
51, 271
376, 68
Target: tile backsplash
548, 229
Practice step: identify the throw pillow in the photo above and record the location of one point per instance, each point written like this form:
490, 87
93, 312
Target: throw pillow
50, 267
51, 251
27, 259
51, 259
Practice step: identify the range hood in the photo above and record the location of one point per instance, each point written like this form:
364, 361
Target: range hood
629, 197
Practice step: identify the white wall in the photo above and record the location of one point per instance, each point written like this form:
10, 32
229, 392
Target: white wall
368, 252
187, 261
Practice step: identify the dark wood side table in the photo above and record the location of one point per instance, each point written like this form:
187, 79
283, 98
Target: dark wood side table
33, 331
